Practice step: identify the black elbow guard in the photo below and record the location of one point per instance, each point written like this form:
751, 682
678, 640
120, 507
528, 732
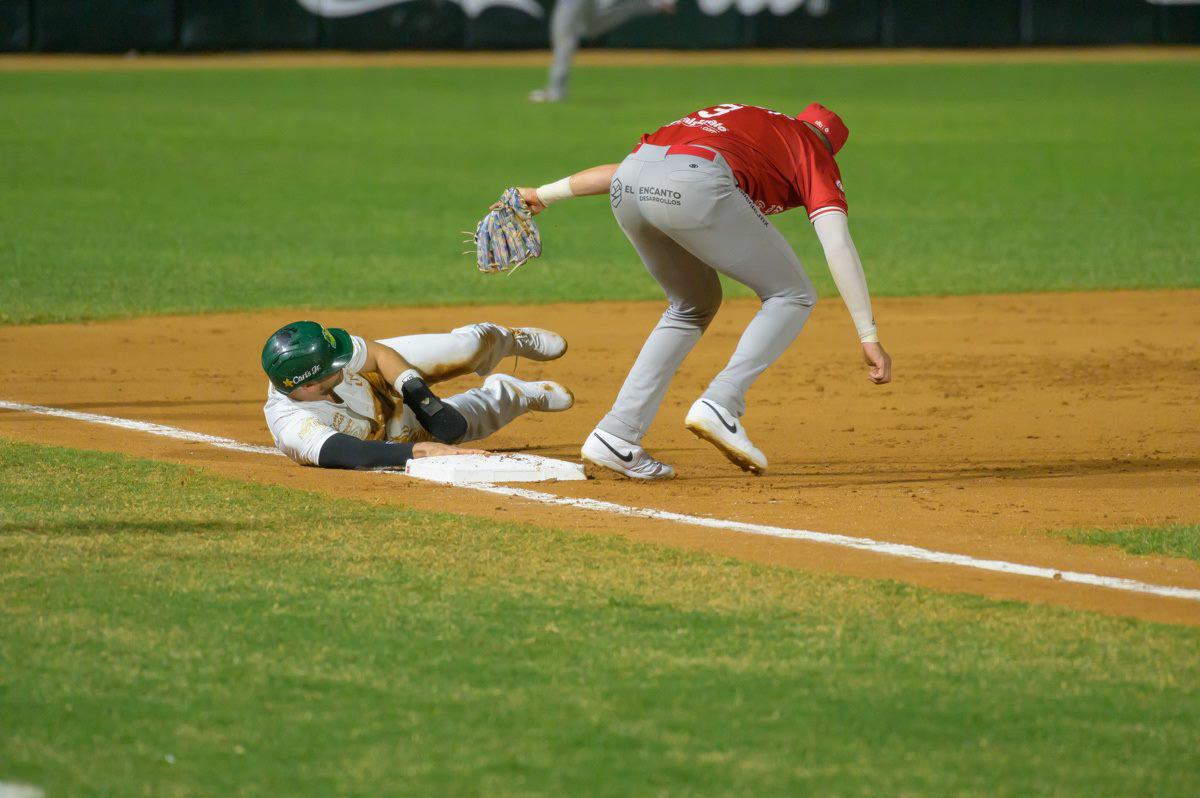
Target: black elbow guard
444, 422
346, 451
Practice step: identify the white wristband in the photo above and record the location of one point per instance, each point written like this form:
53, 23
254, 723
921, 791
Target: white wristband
553, 192
411, 374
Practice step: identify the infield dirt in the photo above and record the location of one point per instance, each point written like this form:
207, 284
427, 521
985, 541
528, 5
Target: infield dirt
1009, 416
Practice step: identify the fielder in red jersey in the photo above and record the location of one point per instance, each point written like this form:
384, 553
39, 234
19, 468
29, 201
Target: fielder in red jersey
693, 198
778, 160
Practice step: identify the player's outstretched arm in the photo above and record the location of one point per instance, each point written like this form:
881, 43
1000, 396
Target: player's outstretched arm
434, 449
587, 183
833, 230
346, 451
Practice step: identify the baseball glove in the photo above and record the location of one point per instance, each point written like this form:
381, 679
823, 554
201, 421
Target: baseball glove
507, 236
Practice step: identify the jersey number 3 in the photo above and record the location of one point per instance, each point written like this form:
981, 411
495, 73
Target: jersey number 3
718, 110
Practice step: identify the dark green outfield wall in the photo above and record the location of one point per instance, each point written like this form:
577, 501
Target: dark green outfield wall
191, 25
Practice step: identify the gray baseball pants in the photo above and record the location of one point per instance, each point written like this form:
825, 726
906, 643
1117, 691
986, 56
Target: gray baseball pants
574, 20
689, 222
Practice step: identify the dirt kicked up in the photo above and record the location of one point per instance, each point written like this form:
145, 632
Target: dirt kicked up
1009, 416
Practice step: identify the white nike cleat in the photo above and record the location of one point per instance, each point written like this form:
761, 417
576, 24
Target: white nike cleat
721, 428
544, 396
534, 343
616, 454
546, 96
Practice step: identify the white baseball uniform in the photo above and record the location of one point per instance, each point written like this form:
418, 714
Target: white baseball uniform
370, 410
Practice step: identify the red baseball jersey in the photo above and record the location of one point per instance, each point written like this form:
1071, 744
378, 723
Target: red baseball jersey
776, 159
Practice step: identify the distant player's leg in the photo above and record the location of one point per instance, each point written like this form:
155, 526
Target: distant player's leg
475, 348
566, 27
694, 293
721, 225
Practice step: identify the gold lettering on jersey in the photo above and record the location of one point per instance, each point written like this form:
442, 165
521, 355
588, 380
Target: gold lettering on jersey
310, 427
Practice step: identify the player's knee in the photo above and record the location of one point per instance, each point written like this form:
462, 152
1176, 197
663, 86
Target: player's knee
802, 298
804, 294
484, 330
692, 314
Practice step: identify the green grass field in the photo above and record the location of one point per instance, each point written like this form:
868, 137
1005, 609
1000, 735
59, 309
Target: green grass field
170, 633
177, 191
1178, 540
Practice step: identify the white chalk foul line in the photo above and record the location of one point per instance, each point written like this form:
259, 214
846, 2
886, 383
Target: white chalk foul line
142, 426
845, 541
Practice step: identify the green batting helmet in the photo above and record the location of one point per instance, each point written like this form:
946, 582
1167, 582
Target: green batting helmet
304, 352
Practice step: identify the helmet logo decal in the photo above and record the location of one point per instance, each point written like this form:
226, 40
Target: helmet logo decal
299, 378
328, 337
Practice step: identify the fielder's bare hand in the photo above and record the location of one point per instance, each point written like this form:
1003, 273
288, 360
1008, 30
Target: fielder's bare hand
880, 362
433, 449
530, 196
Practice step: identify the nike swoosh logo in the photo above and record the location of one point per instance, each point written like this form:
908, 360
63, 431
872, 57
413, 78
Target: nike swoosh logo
625, 458
717, 413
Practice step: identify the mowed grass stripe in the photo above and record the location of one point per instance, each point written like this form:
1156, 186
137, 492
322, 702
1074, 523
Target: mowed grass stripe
1172, 540
178, 191
170, 632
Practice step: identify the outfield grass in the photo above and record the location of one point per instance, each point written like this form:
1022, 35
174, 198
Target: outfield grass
1174, 540
165, 632
147, 192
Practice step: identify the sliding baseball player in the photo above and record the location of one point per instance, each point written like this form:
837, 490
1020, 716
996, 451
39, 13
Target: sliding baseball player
693, 198
339, 401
